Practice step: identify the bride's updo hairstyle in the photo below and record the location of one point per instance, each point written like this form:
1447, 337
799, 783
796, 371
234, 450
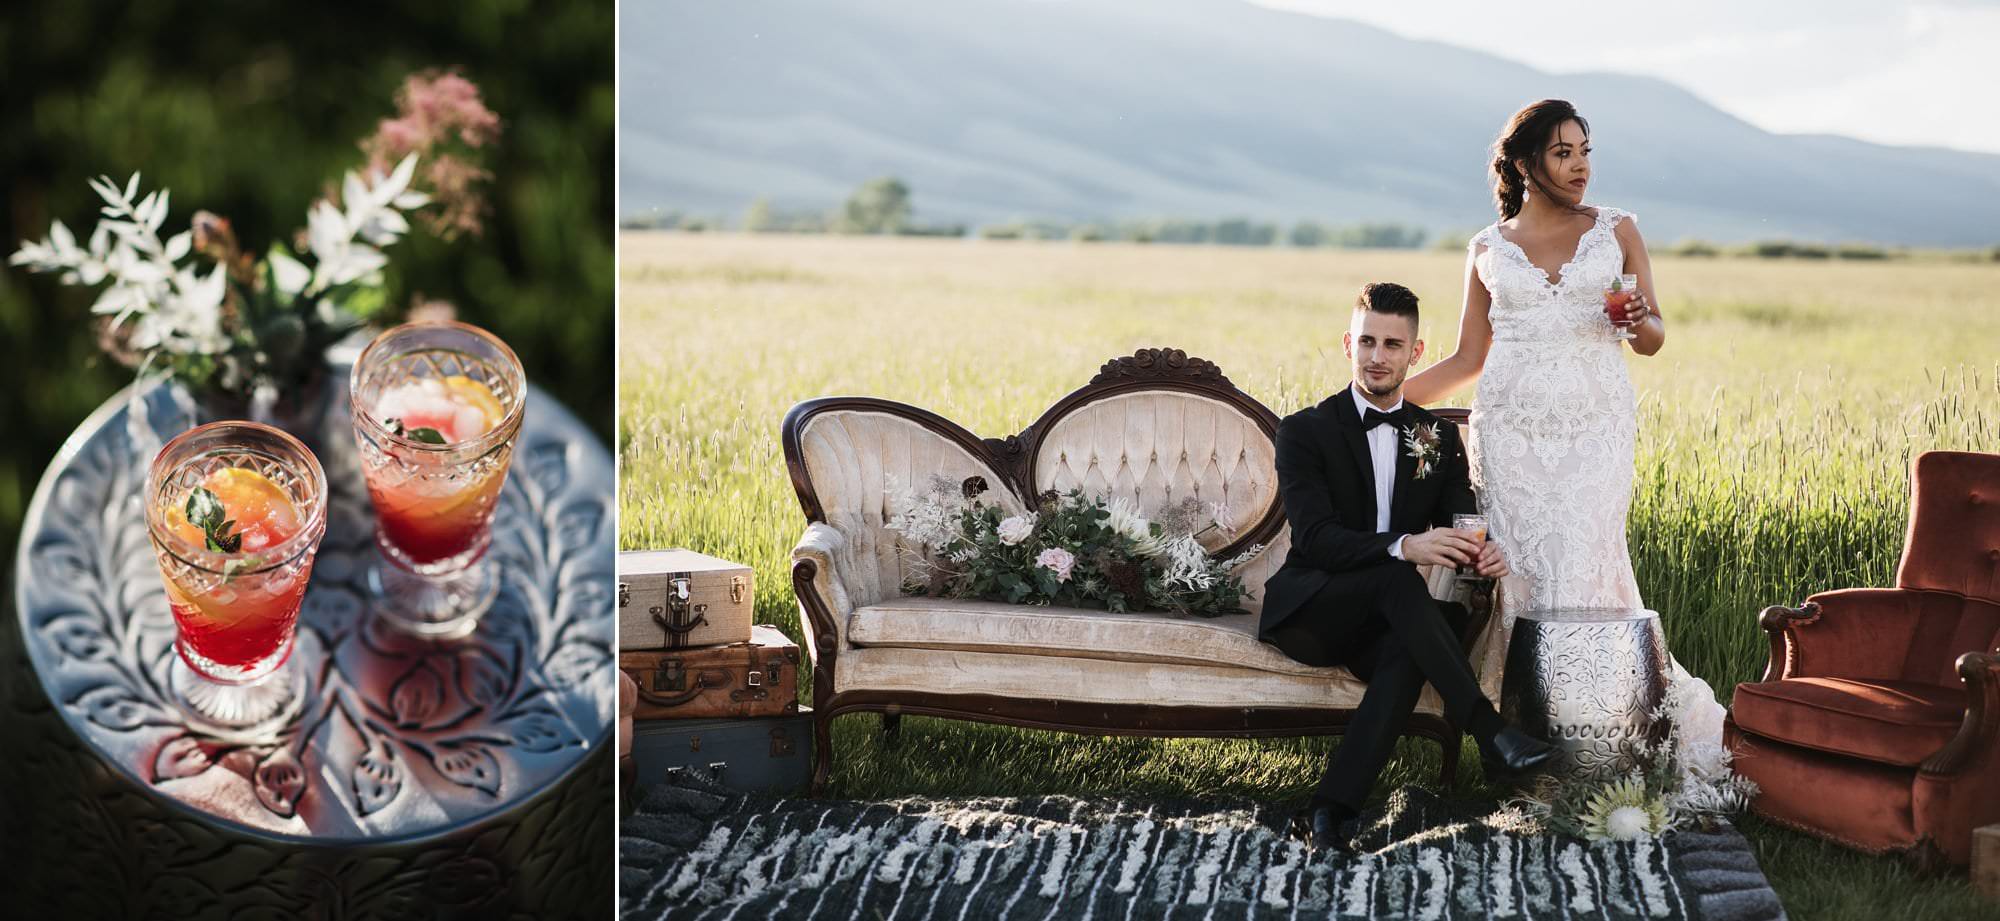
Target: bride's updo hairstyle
1527, 134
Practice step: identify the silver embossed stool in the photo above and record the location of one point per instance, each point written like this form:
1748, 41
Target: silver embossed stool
1587, 680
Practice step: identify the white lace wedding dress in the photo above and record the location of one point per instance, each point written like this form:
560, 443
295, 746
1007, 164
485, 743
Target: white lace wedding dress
1551, 445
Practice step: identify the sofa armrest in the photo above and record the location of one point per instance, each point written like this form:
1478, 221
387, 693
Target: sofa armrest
824, 601
1977, 743
1860, 633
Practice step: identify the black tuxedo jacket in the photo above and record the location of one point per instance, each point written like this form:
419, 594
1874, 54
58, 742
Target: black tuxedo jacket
1326, 479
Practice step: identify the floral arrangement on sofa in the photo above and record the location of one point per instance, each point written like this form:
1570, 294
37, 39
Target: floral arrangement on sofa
1071, 551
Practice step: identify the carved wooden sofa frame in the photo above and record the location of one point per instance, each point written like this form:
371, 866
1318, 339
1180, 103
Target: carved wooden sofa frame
1011, 465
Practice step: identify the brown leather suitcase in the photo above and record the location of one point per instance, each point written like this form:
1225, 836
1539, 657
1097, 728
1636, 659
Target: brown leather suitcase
736, 681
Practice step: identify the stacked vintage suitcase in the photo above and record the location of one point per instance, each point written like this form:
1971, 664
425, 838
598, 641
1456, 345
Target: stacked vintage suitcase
716, 695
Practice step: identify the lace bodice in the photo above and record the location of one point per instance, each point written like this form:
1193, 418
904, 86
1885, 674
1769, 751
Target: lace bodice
1527, 307
1553, 424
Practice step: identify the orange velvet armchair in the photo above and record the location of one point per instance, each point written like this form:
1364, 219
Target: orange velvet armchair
1877, 722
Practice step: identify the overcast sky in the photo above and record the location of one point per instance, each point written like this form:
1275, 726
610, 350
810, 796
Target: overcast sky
1916, 73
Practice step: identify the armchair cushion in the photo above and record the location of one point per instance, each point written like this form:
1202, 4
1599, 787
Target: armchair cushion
1889, 722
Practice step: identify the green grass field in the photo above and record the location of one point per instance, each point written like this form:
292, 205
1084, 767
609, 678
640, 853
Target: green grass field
1777, 428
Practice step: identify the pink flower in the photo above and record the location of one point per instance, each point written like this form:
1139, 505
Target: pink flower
436, 111
1058, 561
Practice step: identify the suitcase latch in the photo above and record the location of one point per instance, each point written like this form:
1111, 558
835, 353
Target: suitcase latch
624, 594
736, 586
680, 617
781, 744
670, 676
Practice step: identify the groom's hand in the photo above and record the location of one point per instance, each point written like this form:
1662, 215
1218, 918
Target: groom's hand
1441, 547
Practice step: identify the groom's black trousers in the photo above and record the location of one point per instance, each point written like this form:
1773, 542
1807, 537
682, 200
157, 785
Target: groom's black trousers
1382, 623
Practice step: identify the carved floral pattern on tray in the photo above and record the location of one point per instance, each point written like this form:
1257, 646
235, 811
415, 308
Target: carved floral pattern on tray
399, 735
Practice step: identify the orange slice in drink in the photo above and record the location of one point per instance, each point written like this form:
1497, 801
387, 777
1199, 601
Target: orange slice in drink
477, 395
263, 512
457, 407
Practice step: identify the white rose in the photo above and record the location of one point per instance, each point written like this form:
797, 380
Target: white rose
1014, 530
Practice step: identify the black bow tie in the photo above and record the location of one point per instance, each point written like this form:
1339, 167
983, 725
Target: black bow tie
1375, 417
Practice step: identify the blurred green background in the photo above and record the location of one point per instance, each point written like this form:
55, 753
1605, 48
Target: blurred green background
251, 110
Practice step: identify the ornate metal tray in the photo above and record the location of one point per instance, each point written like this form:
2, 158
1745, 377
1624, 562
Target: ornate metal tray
402, 740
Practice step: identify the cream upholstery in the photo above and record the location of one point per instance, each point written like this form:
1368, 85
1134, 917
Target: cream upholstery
957, 625
991, 626
1044, 677
1154, 446
1159, 448
856, 459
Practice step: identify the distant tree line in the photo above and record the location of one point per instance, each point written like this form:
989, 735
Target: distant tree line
883, 206
1226, 232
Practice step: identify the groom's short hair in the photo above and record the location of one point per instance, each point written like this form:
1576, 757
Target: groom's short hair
1388, 297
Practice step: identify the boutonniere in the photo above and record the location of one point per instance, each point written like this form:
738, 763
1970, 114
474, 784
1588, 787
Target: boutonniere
1422, 442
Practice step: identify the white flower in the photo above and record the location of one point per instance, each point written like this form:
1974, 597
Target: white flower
1016, 529
1626, 823
1058, 561
1127, 520
1220, 514
175, 309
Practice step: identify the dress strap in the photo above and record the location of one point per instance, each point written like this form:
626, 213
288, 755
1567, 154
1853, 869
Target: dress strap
1484, 237
1609, 216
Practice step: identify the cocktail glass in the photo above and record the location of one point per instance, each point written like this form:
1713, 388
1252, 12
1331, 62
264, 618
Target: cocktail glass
1617, 294
1477, 525
235, 602
436, 408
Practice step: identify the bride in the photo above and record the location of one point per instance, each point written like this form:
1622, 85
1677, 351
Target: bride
1555, 416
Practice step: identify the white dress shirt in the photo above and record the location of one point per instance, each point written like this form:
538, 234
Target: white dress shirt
1382, 453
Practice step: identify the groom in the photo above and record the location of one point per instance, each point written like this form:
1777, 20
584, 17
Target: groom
1369, 486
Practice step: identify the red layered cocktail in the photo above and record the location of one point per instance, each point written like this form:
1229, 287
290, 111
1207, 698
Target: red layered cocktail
236, 511
436, 409
427, 519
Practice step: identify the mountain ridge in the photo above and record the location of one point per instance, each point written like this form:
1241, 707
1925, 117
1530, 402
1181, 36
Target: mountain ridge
994, 110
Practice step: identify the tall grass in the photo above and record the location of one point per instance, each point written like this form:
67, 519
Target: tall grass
1777, 429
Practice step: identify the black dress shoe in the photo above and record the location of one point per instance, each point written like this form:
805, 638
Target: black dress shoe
1334, 830
1515, 752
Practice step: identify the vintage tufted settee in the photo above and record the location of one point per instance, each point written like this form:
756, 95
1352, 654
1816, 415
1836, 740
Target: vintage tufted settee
1156, 426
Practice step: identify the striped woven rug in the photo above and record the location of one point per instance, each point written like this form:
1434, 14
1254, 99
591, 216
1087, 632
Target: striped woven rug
696, 852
